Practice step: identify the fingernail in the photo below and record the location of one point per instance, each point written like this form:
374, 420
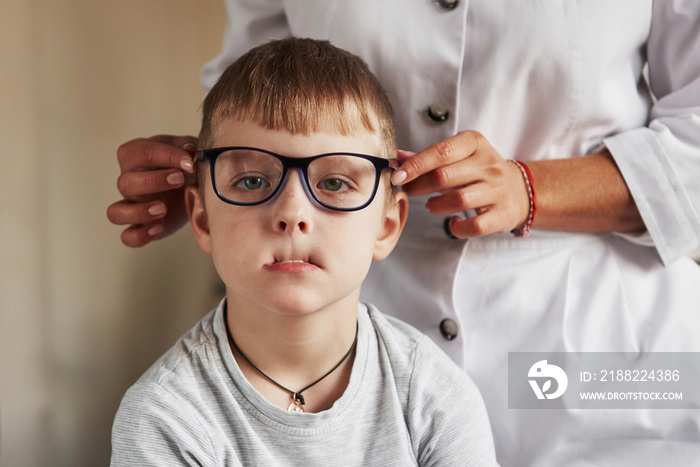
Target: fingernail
176, 178
187, 165
155, 230
398, 177
157, 209
189, 147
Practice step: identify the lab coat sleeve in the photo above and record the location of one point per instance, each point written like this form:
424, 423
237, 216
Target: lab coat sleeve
250, 23
661, 162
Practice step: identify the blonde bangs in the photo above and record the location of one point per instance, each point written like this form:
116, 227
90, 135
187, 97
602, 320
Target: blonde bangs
302, 86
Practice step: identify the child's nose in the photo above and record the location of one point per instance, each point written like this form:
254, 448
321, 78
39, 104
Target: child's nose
293, 205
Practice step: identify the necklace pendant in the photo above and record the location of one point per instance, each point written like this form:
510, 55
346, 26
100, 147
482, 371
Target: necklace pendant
296, 406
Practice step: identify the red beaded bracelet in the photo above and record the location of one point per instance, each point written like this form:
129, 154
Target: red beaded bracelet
524, 231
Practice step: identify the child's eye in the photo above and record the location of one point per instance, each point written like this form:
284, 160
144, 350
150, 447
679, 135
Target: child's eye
333, 184
252, 183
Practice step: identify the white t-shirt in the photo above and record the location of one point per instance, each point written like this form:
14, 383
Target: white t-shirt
195, 407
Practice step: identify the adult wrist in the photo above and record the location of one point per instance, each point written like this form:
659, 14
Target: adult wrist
524, 230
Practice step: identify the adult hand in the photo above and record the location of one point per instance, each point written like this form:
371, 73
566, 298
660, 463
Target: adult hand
466, 172
154, 172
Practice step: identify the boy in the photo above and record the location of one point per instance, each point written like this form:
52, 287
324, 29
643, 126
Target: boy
291, 369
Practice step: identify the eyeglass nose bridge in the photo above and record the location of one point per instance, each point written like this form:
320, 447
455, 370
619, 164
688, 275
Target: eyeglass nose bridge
302, 167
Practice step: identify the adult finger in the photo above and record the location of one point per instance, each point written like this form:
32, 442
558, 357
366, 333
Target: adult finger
483, 224
174, 140
142, 232
439, 154
459, 200
157, 152
140, 235
404, 155
445, 178
124, 212
131, 184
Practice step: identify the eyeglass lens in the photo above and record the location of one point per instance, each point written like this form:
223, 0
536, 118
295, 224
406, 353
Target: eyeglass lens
247, 176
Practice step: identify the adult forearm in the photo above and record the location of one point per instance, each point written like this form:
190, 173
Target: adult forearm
584, 193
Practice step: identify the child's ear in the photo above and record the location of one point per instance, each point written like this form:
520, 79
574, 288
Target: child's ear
394, 221
198, 217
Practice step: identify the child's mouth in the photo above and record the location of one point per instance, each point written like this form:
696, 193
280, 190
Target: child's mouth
292, 266
294, 260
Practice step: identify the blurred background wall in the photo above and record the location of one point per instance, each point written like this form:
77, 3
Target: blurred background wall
81, 316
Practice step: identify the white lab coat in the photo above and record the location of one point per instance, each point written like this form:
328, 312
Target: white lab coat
545, 79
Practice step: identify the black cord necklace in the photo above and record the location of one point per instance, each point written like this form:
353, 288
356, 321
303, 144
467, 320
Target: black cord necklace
297, 404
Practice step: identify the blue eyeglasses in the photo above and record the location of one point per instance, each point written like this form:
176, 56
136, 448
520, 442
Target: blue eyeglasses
341, 181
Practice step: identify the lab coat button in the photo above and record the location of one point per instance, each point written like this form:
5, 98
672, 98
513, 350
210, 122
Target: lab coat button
438, 112
449, 328
448, 4
448, 231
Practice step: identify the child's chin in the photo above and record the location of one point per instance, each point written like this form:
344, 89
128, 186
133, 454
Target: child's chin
295, 307
297, 303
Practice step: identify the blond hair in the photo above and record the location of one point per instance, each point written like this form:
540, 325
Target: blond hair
302, 86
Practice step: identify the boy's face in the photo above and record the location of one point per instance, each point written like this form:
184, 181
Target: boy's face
289, 255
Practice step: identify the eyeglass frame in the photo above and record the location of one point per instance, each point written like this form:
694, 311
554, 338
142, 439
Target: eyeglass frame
301, 163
